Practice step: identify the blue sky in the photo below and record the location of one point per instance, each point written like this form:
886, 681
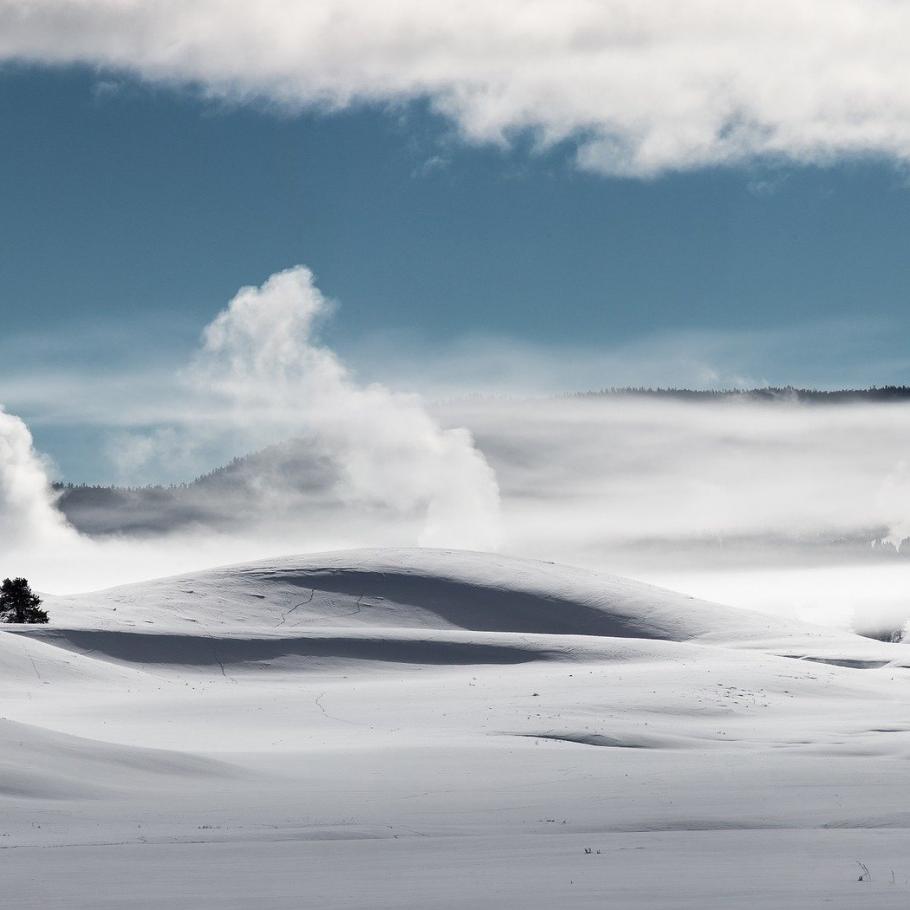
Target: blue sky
143, 210
126, 204
132, 211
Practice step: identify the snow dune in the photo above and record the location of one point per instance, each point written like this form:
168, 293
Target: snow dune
401, 588
416, 728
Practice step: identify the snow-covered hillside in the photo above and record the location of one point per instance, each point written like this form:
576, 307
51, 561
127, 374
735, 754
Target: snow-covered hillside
419, 728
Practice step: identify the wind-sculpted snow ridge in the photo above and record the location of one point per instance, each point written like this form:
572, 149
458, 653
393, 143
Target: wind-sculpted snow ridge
408, 588
415, 728
40, 764
351, 601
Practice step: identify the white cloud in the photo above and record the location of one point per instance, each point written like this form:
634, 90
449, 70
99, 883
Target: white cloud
644, 87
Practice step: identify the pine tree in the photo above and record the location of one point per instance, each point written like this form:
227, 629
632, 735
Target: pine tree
18, 603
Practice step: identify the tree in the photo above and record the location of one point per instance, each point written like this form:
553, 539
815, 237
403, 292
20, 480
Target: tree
18, 603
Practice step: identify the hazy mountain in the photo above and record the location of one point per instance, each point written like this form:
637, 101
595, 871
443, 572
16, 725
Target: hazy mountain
272, 480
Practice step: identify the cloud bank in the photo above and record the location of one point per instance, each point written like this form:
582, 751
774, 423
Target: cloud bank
641, 87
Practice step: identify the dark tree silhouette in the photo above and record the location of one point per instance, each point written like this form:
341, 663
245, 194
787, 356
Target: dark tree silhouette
18, 603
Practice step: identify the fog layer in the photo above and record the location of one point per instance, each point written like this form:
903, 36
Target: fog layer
788, 507
782, 506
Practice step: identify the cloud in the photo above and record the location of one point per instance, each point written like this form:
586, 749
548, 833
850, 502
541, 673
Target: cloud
642, 88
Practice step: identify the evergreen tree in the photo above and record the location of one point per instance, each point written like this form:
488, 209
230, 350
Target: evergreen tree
18, 603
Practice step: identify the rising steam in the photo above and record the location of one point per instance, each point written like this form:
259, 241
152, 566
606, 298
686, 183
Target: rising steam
396, 476
28, 517
266, 378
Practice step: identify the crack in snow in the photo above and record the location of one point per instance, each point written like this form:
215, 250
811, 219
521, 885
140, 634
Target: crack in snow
318, 702
287, 613
358, 606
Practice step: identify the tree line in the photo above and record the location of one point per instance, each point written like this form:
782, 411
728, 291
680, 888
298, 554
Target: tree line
767, 393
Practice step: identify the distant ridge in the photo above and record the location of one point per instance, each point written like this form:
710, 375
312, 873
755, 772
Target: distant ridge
767, 393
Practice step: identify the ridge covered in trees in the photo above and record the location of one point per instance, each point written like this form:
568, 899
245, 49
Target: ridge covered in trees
766, 393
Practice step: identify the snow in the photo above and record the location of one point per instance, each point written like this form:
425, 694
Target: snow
419, 728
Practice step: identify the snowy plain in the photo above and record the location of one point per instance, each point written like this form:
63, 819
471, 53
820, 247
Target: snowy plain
432, 728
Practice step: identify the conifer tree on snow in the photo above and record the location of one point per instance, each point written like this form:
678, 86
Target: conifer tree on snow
18, 603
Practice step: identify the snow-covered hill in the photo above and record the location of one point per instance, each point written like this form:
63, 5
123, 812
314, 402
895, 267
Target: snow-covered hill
419, 728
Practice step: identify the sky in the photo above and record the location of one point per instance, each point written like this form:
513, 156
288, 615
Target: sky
544, 197
399, 230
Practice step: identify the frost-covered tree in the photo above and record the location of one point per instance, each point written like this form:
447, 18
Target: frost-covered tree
18, 603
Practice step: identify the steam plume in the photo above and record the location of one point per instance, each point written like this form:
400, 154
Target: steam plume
269, 378
27, 513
